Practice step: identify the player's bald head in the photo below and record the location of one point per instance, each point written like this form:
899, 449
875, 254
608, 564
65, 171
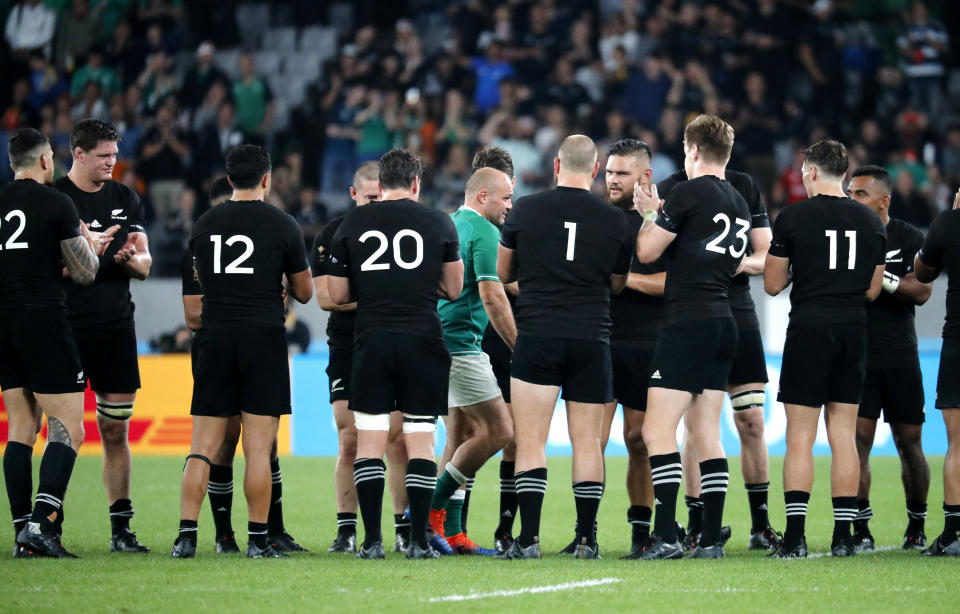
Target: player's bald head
368, 171
486, 179
578, 154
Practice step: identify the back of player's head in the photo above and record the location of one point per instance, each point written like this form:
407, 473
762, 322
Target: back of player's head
246, 165
220, 191
630, 147
88, 133
491, 156
368, 171
578, 154
398, 169
712, 136
878, 173
25, 147
829, 156
485, 178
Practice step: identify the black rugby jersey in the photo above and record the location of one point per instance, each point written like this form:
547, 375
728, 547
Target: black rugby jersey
636, 316
340, 324
891, 331
941, 249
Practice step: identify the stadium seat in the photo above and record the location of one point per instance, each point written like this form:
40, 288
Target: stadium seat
226, 60
305, 64
280, 39
319, 40
250, 21
267, 62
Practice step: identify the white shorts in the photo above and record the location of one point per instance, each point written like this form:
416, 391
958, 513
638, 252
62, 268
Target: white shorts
471, 381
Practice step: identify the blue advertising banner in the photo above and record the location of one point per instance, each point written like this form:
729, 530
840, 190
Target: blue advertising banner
314, 432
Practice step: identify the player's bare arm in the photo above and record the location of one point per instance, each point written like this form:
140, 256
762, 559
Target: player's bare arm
760, 243
134, 256
300, 286
653, 284
513, 289
321, 287
617, 283
451, 280
506, 265
911, 290
652, 240
192, 310
80, 258
876, 284
776, 274
339, 290
495, 303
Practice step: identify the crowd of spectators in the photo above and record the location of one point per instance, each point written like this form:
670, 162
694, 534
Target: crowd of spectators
181, 82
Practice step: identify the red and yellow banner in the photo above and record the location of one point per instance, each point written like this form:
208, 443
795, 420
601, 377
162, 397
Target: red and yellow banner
161, 422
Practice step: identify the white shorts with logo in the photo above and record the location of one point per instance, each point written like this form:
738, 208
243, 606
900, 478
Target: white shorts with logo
471, 380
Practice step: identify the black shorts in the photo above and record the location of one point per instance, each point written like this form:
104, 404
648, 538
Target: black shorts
631, 373
402, 372
38, 352
500, 356
824, 364
241, 369
581, 367
338, 371
749, 363
948, 378
694, 355
109, 357
896, 390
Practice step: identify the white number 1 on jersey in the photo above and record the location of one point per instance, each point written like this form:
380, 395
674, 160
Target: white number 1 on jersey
571, 238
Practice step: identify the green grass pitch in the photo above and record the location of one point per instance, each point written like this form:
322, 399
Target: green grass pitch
319, 582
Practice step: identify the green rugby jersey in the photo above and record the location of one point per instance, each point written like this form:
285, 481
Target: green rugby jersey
465, 319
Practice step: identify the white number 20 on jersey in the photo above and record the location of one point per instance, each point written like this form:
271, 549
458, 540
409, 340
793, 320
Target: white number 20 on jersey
371, 264
234, 267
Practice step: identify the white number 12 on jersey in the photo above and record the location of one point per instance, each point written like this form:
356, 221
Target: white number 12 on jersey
571, 238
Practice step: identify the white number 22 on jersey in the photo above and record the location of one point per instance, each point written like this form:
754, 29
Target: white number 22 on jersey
851, 236
371, 264
12, 242
744, 226
233, 267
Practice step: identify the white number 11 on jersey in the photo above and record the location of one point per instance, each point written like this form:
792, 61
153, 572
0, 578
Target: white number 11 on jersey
571, 238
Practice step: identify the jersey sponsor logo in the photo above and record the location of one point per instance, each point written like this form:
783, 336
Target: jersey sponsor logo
891, 254
335, 385
117, 214
95, 224
656, 375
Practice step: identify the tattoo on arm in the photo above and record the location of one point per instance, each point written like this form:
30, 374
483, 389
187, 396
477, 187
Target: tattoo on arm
82, 262
57, 432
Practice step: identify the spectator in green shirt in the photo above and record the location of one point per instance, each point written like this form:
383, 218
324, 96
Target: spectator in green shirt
253, 99
94, 70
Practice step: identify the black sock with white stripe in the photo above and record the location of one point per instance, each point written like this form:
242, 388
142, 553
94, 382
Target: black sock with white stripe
916, 515
275, 516
56, 466
694, 514
120, 514
795, 502
421, 481
862, 519
466, 504
639, 518
188, 531
844, 511
508, 499
401, 526
257, 533
369, 475
757, 495
951, 524
346, 524
531, 488
714, 476
587, 497
220, 493
667, 473
18, 476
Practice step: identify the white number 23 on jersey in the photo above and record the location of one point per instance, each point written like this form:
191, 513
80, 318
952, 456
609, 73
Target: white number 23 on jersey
741, 236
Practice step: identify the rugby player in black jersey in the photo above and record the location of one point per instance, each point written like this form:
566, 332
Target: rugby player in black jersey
340, 323
220, 486
568, 249
242, 250
40, 368
102, 314
395, 258
893, 382
832, 249
702, 233
748, 378
941, 252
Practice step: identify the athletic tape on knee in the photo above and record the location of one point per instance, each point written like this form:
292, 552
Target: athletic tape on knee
748, 399
418, 424
371, 422
117, 411
456, 474
199, 457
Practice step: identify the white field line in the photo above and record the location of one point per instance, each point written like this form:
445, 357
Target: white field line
566, 586
817, 555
